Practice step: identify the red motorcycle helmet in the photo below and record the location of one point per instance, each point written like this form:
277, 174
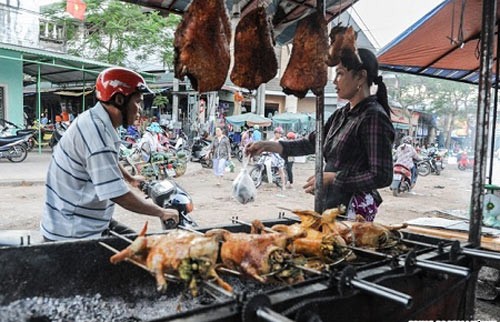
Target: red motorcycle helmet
116, 80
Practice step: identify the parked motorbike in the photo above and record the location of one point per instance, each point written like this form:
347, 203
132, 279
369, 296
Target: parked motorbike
264, 171
13, 148
428, 165
199, 150
401, 181
169, 195
465, 161
57, 134
236, 151
42, 136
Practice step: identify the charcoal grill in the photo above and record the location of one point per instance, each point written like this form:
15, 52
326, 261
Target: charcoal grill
74, 281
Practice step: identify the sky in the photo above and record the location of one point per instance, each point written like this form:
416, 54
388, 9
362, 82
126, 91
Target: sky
384, 19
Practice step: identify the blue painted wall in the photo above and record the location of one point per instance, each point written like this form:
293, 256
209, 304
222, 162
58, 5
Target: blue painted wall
11, 77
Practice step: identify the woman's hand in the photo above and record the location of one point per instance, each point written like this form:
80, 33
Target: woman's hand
256, 148
328, 178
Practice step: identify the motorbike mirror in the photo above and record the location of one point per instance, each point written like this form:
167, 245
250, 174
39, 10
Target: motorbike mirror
146, 152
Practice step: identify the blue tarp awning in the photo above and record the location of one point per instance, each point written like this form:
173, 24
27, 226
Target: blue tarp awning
442, 44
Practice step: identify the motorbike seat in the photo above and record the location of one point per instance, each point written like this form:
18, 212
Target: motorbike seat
24, 132
9, 139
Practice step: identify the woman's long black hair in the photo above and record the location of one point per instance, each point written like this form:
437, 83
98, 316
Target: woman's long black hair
370, 64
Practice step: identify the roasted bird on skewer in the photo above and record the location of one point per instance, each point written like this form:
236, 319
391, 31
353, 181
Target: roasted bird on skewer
189, 256
257, 255
361, 232
309, 240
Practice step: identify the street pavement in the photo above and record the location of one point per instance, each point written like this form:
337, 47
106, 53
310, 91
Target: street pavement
31, 171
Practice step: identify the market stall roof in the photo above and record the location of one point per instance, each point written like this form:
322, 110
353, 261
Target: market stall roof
58, 68
285, 14
250, 119
444, 43
290, 118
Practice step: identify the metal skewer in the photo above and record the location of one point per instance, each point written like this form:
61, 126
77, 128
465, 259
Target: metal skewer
114, 233
235, 219
169, 277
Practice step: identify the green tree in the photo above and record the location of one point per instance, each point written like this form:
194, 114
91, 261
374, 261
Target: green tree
452, 102
115, 31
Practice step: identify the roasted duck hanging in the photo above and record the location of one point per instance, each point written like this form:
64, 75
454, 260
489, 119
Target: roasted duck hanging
342, 43
307, 69
201, 45
187, 255
254, 57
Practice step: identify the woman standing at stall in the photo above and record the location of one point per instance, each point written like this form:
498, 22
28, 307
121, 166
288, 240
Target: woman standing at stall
358, 140
220, 152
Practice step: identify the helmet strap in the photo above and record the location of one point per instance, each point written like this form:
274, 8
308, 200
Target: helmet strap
121, 103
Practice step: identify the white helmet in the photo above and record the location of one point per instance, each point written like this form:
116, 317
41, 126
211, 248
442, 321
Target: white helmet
407, 139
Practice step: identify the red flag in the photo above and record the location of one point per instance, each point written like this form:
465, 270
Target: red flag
76, 8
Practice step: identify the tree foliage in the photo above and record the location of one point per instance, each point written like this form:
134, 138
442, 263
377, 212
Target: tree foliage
452, 103
119, 33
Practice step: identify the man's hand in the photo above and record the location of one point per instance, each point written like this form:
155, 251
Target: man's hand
136, 181
170, 214
328, 178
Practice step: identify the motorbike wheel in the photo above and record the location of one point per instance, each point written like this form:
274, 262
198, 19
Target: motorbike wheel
396, 192
256, 175
461, 167
423, 169
17, 153
240, 155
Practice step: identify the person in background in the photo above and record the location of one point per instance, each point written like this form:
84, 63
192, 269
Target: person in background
152, 137
357, 140
133, 130
220, 151
246, 138
44, 120
256, 135
85, 179
289, 161
65, 115
406, 156
276, 160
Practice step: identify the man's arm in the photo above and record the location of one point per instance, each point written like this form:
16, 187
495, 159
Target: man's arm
132, 202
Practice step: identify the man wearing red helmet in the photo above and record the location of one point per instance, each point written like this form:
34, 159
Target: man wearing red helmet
85, 179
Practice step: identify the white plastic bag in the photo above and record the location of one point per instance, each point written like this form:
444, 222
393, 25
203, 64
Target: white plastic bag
243, 186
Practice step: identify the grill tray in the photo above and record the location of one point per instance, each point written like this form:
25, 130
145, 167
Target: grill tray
74, 281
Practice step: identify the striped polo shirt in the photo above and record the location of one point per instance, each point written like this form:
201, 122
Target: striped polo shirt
83, 176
